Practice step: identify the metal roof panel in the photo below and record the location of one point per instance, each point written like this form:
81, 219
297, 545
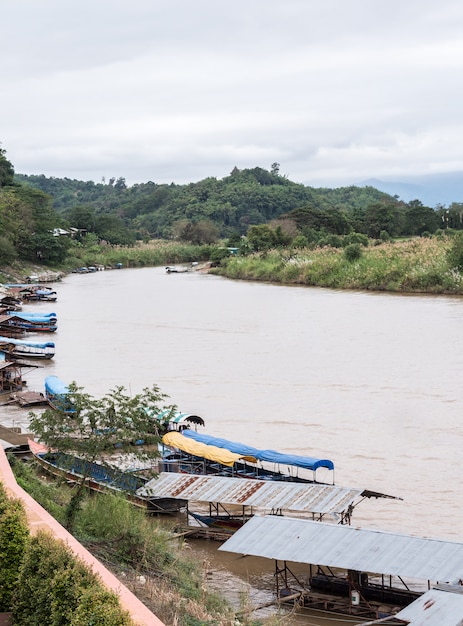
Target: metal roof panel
348, 547
265, 494
436, 607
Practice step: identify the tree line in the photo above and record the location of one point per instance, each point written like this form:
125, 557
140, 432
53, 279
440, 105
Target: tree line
257, 202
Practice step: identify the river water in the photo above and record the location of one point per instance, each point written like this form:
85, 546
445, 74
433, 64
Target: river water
371, 381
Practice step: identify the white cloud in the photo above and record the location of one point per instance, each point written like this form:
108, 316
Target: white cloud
334, 90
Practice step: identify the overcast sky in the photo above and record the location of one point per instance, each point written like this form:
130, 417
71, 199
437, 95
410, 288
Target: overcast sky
335, 91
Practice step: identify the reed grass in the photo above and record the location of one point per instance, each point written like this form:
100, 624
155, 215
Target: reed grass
414, 266
153, 253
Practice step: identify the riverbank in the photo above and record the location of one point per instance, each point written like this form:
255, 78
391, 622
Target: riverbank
419, 265
414, 266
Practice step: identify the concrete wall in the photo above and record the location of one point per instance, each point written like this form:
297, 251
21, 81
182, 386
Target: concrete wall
41, 519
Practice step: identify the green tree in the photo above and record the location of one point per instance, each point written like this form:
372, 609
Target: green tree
383, 216
261, 237
6, 170
419, 218
97, 425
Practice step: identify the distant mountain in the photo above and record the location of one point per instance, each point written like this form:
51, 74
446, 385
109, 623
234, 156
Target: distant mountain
431, 189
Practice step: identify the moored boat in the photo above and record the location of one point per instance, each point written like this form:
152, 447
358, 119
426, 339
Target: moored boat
21, 348
58, 395
102, 478
33, 324
226, 458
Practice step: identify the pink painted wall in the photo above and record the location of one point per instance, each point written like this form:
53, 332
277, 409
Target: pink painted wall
41, 519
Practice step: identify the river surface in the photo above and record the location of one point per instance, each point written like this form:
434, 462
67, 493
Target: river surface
371, 381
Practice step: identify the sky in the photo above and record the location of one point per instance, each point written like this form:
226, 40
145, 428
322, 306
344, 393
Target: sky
334, 91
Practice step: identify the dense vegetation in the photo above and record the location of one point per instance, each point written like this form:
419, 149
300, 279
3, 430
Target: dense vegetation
210, 209
248, 213
42, 582
155, 564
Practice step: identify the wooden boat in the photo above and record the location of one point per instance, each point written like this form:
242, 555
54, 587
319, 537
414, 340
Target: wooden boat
102, 479
174, 269
23, 349
17, 320
192, 454
58, 395
226, 523
31, 293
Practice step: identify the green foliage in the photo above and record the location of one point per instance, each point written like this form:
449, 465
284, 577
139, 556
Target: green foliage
244, 198
97, 425
353, 252
100, 608
6, 170
455, 252
300, 241
261, 237
7, 251
201, 232
55, 588
416, 265
55, 502
218, 254
354, 237
14, 535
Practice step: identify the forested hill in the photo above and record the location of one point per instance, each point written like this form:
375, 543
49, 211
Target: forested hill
245, 197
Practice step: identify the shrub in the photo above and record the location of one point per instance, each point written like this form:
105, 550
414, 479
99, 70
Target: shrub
100, 608
57, 589
300, 241
14, 535
356, 238
455, 252
352, 252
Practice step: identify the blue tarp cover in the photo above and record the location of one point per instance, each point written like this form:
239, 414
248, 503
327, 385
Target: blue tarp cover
55, 386
32, 344
270, 456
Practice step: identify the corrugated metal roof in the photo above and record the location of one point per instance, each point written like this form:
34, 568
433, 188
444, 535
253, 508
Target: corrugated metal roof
436, 607
265, 494
347, 547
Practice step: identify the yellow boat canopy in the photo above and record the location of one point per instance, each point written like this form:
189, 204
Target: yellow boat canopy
205, 451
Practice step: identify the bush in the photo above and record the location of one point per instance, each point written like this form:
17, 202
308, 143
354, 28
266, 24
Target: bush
14, 535
455, 252
51, 585
100, 608
300, 241
353, 252
356, 238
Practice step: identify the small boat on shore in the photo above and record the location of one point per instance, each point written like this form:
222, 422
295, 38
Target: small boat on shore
175, 269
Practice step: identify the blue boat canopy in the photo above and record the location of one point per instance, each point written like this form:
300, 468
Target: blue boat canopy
270, 456
23, 342
55, 386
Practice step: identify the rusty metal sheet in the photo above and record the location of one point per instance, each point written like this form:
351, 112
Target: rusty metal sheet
436, 607
261, 494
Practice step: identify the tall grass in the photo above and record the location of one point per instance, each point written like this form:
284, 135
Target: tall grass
154, 253
416, 265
